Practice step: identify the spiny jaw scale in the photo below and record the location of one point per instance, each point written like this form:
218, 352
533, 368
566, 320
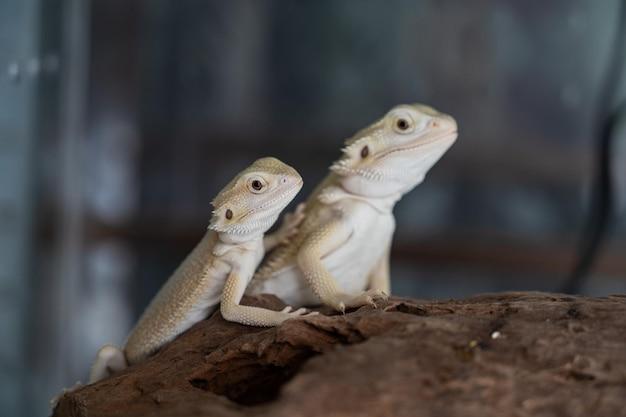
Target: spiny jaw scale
342, 168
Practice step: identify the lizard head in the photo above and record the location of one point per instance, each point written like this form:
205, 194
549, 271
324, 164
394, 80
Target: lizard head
252, 201
394, 154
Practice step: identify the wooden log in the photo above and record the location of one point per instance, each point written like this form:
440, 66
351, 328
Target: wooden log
509, 354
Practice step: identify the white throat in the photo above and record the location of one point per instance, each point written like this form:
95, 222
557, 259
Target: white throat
334, 193
238, 238
226, 242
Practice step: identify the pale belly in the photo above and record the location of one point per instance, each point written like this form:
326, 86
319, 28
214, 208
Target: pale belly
350, 264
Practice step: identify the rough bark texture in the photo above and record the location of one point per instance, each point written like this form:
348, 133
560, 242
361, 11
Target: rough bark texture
513, 354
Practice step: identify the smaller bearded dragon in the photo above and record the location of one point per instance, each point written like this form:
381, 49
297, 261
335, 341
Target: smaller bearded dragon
219, 268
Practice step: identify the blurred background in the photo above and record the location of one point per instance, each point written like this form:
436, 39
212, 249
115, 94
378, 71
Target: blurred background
119, 122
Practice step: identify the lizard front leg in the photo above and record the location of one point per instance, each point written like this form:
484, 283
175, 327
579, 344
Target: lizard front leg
287, 229
319, 243
379, 278
251, 316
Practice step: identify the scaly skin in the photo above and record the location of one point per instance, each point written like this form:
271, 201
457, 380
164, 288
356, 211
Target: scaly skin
219, 268
340, 254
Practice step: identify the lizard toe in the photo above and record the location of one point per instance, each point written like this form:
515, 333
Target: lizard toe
341, 307
378, 295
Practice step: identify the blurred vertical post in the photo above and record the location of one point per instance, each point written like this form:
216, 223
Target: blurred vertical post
21, 64
75, 52
59, 106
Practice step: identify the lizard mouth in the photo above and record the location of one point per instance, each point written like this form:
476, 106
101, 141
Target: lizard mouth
451, 134
368, 174
342, 167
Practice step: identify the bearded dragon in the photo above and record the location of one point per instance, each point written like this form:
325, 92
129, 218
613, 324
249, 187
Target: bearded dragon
340, 254
219, 268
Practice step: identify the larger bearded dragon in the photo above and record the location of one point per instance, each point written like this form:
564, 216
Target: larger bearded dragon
219, 268
340, 254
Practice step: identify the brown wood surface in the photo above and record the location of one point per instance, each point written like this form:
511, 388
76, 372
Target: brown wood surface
509, 354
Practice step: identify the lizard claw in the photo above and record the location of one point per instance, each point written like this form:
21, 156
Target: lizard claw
378, 295
301, 312
369, 297
337, 302
341, 307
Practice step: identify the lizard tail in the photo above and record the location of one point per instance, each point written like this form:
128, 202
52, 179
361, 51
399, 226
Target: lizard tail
108, 360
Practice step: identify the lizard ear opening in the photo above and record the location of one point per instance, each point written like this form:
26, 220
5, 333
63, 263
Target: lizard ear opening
228, 214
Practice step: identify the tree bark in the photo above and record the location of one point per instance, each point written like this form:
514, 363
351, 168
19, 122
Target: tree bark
510, 354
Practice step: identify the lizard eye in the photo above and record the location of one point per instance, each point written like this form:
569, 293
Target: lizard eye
229, 214
403, 124
365, 151
256, 185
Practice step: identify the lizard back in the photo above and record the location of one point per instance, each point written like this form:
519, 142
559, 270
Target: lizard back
177, 301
